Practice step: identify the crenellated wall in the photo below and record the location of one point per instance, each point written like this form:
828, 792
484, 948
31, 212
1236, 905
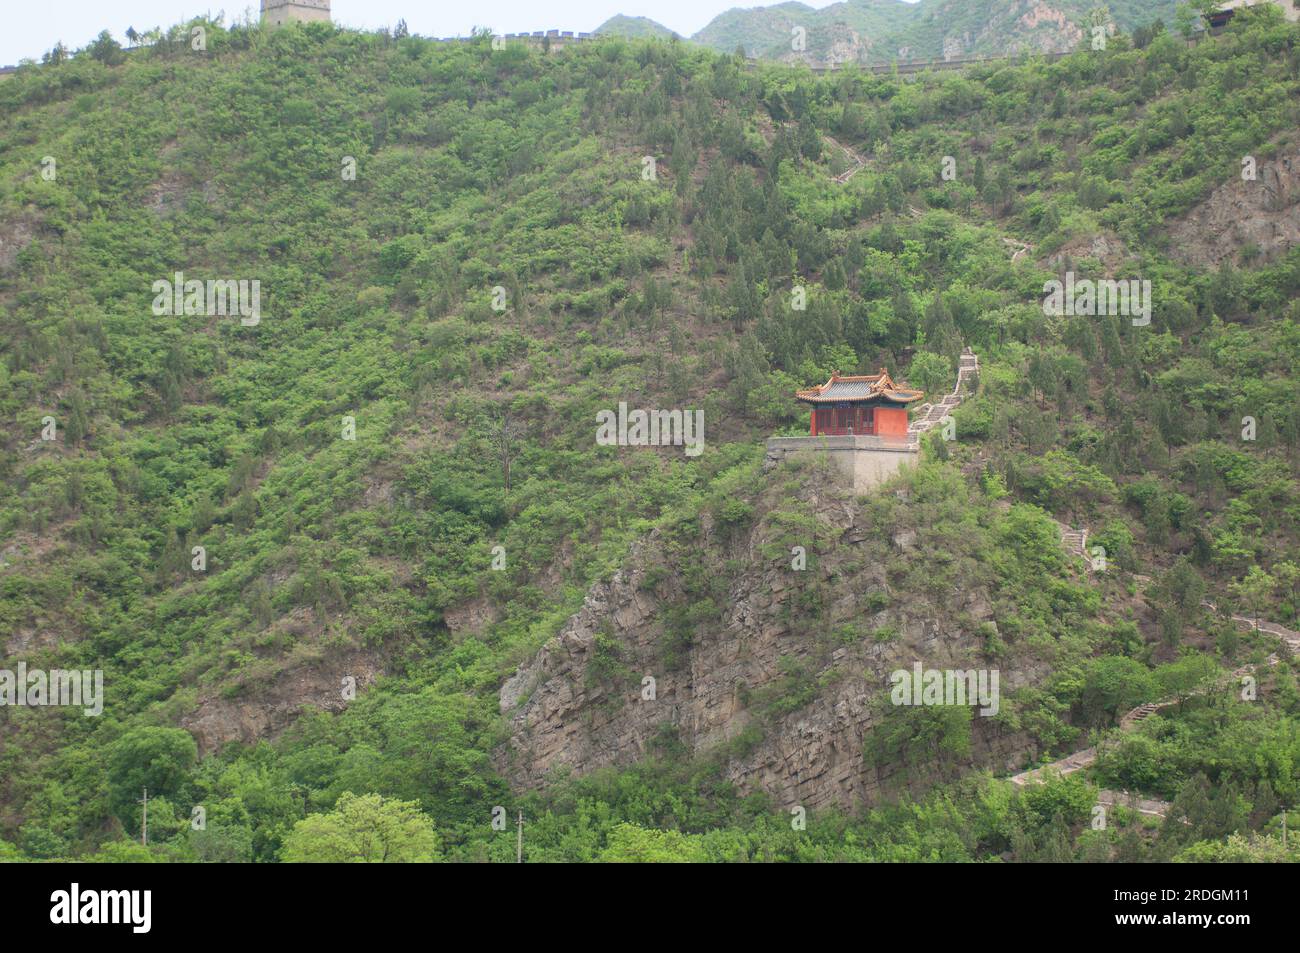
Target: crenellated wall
280, 12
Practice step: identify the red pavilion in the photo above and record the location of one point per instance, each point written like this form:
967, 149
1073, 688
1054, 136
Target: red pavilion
871, 404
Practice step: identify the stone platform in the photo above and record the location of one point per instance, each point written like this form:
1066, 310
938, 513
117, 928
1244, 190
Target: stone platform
864, 461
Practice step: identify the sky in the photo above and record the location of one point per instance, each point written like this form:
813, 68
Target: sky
30, 29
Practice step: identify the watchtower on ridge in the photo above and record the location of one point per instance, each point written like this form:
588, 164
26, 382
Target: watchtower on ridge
280, 12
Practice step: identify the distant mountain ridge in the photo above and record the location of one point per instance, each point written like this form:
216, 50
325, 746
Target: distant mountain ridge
635, 28
879, 31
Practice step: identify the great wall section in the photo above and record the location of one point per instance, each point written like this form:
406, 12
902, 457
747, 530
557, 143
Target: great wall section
931, 415
554, 40
1074, 542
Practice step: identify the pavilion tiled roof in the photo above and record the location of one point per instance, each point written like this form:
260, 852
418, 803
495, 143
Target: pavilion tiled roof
861, 388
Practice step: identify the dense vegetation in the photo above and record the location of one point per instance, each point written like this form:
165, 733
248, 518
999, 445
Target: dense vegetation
479, 168
879, 31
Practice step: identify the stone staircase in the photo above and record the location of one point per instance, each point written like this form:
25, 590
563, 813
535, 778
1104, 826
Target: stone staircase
1148, 806
1288, 636
1067, 765
1075, 541
930, 415
859, 163
1140, 713
1021, 249
1082, 759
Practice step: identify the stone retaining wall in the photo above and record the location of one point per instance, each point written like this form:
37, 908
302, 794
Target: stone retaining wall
864, 462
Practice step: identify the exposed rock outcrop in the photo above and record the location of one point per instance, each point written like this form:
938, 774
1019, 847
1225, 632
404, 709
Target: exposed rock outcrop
1103, 247
14, 237
267, 710
782, 686
1262, 215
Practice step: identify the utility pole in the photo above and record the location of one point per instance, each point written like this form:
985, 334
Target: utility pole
1284, 831
144, 826
519, 849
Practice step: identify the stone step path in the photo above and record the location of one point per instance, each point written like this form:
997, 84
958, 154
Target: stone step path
1021, 249
1148, 806
1077, 762
1289, 636
930, 415
1075, 541
859, 163
1141, 713
1067, 765
1082, 759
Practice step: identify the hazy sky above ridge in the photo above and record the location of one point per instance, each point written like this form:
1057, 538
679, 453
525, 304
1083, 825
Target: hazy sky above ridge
30, 29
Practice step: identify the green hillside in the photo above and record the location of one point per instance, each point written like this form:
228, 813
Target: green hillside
394, 477
634, 28
766, 31
879, 31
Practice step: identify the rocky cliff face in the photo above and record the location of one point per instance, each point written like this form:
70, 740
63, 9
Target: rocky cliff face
782, 685
1262, 214
878, 31
266, 710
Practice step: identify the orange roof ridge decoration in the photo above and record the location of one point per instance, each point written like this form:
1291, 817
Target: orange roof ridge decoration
858, 388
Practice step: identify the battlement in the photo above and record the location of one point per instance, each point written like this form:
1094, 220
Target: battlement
538, 38
279, 12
